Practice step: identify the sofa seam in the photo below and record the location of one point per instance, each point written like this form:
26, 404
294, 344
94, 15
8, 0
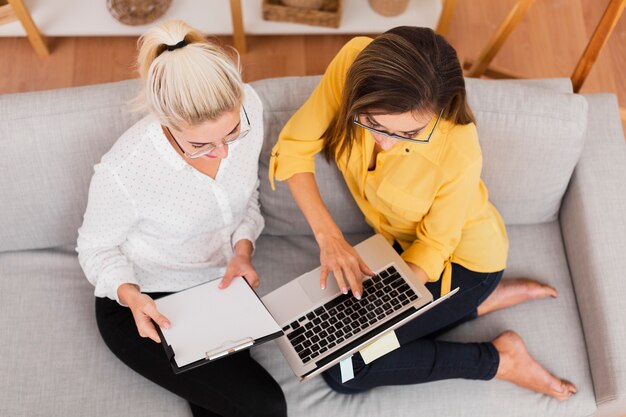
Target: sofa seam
62, 113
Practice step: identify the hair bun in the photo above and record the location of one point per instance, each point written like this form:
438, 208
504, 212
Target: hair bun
191, 86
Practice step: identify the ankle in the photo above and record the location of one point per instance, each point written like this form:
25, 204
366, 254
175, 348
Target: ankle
504, 365
505, 346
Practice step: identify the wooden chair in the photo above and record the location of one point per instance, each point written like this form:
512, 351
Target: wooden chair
16, 10
481, 67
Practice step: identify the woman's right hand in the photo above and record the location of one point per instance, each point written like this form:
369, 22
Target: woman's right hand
340, 258
144, 311
336, 255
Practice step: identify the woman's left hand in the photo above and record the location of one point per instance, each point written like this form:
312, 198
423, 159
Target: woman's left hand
241, 266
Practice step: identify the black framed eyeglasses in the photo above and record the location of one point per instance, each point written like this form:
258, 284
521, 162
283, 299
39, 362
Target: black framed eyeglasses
210, 147
394, 136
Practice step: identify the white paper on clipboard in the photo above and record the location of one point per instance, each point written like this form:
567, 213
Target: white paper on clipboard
206, 320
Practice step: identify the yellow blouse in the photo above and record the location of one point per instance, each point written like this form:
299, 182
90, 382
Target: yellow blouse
428, 197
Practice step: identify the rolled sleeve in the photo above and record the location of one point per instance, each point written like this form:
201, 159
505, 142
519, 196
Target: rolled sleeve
283, 167
302, 137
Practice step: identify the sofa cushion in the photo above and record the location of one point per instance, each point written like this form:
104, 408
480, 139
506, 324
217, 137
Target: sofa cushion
531, 139
531, 133
55, 363
49, 143
55, 360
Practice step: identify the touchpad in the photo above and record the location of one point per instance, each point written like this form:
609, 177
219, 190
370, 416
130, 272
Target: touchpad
310, 283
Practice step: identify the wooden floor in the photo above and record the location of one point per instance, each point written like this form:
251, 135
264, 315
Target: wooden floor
547, 43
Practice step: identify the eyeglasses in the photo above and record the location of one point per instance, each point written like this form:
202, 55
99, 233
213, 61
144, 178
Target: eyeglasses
394, 136
210, 147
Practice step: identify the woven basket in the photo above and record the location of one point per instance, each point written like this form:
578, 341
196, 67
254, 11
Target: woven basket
137, 12
389, 7
305, 4
328, 16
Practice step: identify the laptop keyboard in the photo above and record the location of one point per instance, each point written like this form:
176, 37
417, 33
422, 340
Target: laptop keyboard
344, 317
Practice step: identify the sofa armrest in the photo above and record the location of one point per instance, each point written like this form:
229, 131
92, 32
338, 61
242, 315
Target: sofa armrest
593, 223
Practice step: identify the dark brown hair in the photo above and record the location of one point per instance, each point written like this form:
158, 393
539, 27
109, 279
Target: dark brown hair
406, 69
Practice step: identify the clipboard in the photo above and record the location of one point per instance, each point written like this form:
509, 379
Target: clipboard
209, 323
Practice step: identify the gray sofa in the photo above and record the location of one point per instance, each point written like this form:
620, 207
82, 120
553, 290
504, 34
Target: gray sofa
555, 166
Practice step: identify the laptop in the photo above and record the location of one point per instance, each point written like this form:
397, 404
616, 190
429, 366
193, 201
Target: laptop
323, 327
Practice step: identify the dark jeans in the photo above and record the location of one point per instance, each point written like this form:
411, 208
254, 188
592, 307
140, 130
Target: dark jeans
420, 358
234, 386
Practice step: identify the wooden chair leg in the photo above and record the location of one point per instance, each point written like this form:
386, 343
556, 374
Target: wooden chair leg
34, 36
239, 36
446, 17
599, 38
497, 40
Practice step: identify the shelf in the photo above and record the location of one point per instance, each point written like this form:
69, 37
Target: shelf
91, 18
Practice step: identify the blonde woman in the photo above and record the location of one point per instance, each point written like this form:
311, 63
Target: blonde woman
176, 201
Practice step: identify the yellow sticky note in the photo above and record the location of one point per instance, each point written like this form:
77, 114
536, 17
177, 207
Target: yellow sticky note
379, 347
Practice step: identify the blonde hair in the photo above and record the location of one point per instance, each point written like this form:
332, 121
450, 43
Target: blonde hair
188, 85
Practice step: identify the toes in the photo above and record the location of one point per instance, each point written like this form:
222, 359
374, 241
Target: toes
561, 393
539, 290
551, 291
558, 386
563, 397
565, 390
571, 387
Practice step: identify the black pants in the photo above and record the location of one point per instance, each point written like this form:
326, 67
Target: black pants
234, 386
420, 358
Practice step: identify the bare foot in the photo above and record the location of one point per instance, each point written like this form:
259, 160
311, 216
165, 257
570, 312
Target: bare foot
510, 292
518, 367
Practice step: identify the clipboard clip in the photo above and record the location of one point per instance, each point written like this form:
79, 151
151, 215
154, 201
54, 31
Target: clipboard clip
232, 347
168, 351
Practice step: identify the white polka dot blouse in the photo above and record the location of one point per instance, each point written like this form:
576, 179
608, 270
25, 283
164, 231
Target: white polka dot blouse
155, 221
